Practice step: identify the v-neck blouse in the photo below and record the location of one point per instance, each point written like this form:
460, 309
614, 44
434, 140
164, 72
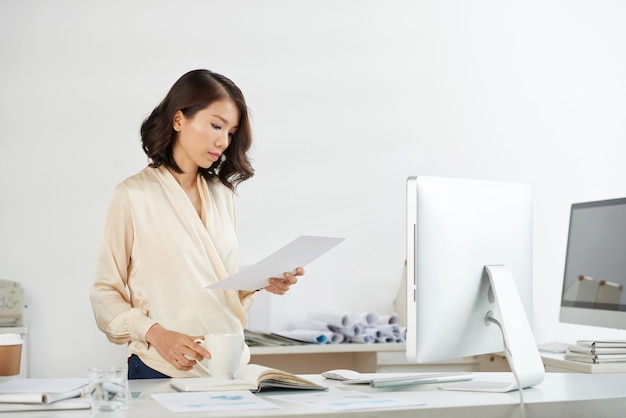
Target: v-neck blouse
156, 258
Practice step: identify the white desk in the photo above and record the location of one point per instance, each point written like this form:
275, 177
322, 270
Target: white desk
560, 395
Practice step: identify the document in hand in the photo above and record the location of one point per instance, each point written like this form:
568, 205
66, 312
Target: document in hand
297, 253
253, 377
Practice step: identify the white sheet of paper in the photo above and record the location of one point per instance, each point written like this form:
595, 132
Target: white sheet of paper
297, 253
212, 401
350, 400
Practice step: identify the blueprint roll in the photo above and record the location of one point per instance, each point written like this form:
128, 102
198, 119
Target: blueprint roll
386, 339
362, 339
386, 330
365, 318
401, 336
393, 318
372, 332
335, 318
349, 331
309, 324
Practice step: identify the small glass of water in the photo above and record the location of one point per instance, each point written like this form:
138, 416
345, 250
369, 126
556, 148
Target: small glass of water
109, 387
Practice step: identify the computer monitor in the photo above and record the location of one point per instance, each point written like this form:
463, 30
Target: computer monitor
595, 265
469, 268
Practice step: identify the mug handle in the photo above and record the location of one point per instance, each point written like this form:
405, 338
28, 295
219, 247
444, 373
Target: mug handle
202, 366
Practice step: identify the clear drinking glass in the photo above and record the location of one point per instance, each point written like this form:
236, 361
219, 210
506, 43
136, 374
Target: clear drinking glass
109, 387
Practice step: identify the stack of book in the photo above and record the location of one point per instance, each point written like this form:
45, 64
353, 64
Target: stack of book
597, 352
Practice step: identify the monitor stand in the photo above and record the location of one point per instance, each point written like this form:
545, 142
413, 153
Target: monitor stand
519, 343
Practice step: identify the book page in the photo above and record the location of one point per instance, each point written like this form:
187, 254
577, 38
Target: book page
268, 377
247, 378
251, 377
203, 384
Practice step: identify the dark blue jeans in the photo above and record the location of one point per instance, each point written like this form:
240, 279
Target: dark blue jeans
137, 369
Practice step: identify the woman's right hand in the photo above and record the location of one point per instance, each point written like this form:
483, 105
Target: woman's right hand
178, 349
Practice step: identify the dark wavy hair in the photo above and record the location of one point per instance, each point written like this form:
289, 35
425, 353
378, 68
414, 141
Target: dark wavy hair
193, 92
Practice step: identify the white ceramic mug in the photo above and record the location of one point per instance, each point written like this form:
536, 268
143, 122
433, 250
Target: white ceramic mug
225, 352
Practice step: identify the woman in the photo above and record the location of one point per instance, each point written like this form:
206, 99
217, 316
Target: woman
170, 232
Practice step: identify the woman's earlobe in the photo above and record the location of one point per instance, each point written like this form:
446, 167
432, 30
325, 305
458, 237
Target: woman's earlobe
176, 120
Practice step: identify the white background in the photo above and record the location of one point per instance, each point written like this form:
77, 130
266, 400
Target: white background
348, 98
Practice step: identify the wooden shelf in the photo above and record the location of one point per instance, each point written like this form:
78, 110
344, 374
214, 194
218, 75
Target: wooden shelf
364, 358
327, 348
314, 358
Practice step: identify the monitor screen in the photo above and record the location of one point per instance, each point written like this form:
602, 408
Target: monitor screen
455, 228
595, 265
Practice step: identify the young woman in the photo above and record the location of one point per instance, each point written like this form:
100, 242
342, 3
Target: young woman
170, 231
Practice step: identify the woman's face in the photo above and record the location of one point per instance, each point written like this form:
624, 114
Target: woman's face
203, 138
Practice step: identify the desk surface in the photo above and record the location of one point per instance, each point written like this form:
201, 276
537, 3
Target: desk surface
560, 394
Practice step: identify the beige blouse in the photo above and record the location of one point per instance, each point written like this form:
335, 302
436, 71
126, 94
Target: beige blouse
156, 258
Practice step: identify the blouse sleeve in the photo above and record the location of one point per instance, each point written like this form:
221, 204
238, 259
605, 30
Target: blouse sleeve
246, 297
110, 301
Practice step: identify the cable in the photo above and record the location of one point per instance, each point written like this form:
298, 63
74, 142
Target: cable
507, 352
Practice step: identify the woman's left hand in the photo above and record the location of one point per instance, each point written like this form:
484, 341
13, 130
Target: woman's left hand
281, 286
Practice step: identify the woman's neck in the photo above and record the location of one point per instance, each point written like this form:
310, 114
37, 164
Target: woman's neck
188, 181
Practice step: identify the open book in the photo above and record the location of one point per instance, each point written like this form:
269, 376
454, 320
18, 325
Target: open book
33, 394
253, 377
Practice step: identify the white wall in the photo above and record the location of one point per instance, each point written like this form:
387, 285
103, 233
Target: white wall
348, 99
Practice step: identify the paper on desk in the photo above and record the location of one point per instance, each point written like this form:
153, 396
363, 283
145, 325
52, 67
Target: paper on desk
212, 401
350, 400
297, 253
